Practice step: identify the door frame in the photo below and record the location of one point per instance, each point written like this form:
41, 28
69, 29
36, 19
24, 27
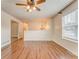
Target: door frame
11, 29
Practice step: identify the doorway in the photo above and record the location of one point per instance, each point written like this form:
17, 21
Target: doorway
14, 31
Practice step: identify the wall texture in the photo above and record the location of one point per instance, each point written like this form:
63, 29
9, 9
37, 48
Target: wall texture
6, 28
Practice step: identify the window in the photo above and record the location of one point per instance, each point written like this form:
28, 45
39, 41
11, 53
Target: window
70, 26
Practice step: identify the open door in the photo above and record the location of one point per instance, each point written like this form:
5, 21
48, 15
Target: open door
14, 31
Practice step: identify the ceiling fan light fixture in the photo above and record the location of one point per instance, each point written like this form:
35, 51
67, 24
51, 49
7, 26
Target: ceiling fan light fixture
31, 4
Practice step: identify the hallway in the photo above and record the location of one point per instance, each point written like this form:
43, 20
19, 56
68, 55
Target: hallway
35, 50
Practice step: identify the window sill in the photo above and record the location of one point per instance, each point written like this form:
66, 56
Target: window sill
70, 39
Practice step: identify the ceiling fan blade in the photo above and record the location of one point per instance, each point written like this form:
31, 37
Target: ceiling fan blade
40, 1
38, 8
20, 4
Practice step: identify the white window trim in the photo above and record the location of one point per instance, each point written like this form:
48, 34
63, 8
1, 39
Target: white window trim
68, 38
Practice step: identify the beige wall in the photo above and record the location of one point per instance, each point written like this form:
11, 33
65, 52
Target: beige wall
36, 23
56, 26
6, 28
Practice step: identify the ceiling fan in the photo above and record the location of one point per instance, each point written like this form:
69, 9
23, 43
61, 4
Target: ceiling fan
31, 4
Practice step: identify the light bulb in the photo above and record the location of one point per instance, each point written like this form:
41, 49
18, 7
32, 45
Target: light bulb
34, 8
28, 7
30, 10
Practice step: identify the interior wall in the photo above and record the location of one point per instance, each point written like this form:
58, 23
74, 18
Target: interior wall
57, 22
6, 28
34, 32
38, 35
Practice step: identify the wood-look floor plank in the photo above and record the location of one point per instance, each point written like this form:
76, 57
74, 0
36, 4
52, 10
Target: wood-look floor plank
35, 50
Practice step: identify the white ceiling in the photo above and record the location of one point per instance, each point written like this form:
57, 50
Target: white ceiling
48, 9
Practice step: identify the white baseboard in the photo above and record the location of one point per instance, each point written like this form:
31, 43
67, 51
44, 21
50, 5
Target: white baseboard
37, 40
7, 43
68, 50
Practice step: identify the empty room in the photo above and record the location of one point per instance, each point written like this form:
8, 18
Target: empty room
39, 29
